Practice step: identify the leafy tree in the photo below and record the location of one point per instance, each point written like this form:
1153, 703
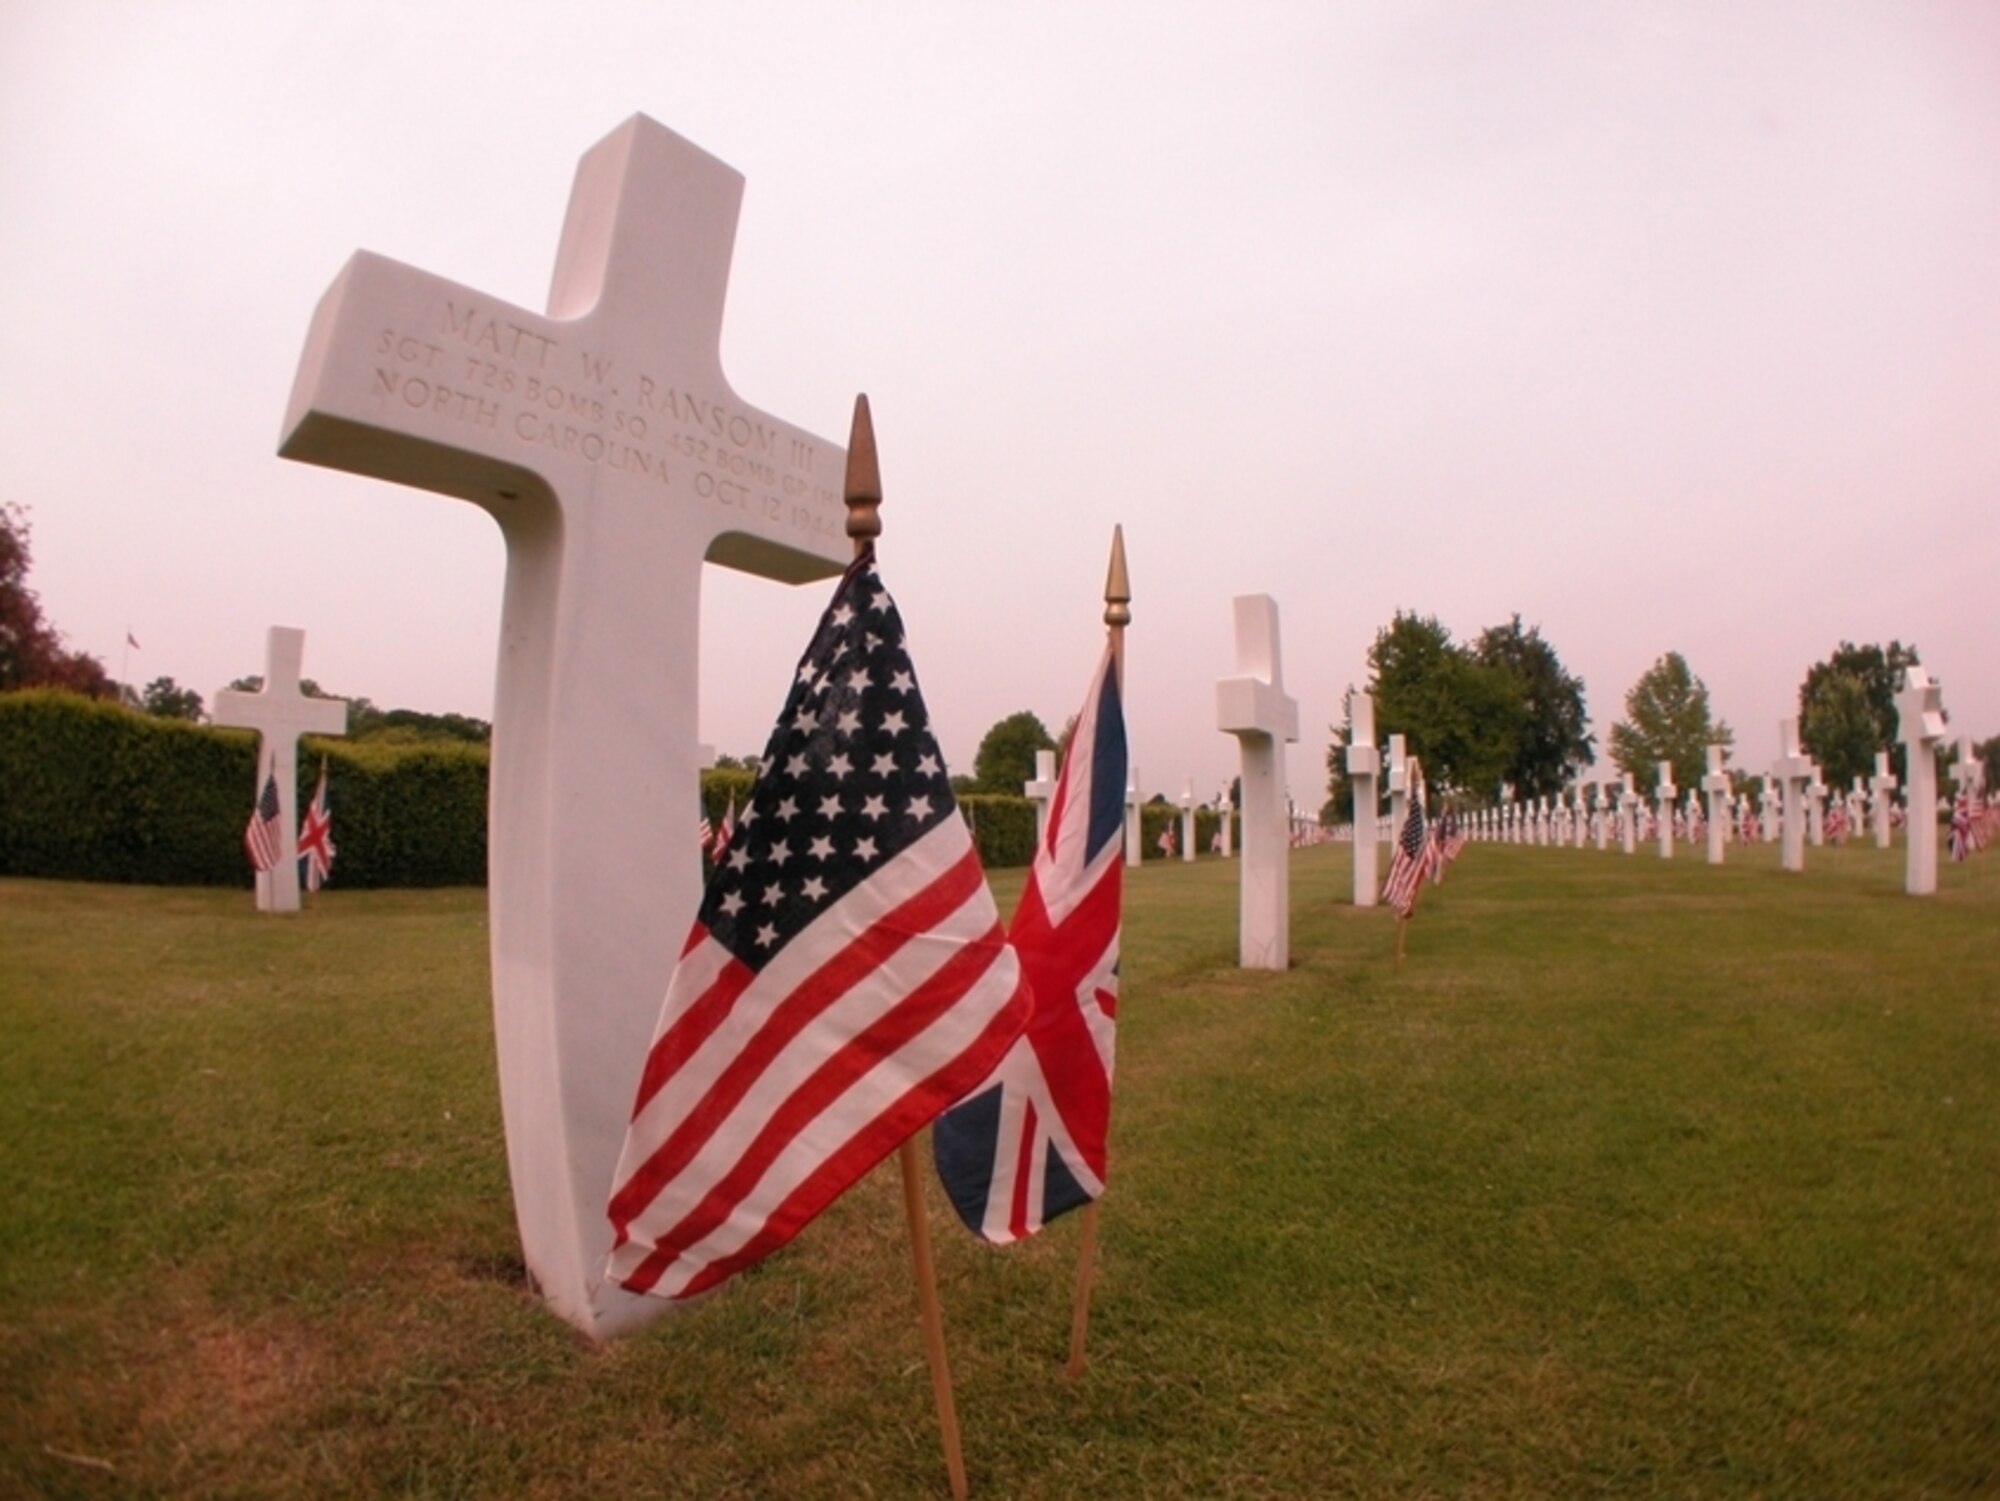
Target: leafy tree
414, 726
1005, 760
370, 723
166, 699
31, 650
1554, 741
1339, 804
1460, 716
1989, 752
1667, 719
1847, 709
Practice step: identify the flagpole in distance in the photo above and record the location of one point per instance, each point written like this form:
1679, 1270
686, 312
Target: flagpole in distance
864, 525
1117, 615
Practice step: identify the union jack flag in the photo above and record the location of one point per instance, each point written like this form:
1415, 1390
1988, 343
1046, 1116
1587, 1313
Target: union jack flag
1029, 1142
845, 980
261, 837
316, 838
1414, 853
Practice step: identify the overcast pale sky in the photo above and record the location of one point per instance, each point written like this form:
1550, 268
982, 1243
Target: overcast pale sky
1668, 326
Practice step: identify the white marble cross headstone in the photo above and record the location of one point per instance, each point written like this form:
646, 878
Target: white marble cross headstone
1968, 771
1253, 707
1042, 792
1187, 823
1628, 815
1364, 763
1227, 811
1664, 796
1716, 785
1791, 771
279, 712
1815, 806
1920, 716
605, 440
1882, 789
1399, 786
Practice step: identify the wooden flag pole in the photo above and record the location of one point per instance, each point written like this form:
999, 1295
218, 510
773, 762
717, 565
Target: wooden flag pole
864, 525
1117, 615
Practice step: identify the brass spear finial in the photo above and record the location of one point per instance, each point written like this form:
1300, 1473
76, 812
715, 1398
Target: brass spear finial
864, 478
1117, 585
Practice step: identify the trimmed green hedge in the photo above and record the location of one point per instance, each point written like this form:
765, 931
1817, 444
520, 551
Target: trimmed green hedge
1003, 827
91, 791
403, 815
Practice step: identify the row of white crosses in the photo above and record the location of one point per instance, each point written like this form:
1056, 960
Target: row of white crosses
1794, 796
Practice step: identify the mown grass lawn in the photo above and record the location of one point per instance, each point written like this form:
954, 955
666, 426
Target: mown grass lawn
1635, 1178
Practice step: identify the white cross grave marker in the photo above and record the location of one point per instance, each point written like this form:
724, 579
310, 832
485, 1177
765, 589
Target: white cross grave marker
1664, 796
1364, 762
1399, 786
1042, 792
606, 441
1920, 726
1227, 810
1968, 771
1253, 707
279, 712
1882, 788
1791, 771
1716, 785
1816, 807
1628, 815
1187, 823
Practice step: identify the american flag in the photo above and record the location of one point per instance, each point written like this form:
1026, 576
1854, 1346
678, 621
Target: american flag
316, 837
846, 977
1449, 837
1029, 1142
1414, 853
261, 837
726, 831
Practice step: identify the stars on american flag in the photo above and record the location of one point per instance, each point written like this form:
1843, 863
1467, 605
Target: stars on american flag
850, 777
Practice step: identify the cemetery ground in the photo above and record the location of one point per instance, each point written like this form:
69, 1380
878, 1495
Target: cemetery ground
1636, 1178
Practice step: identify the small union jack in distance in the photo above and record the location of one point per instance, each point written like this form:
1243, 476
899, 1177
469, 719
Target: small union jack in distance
316, 838
845, 980
260, 839
1028, 1143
